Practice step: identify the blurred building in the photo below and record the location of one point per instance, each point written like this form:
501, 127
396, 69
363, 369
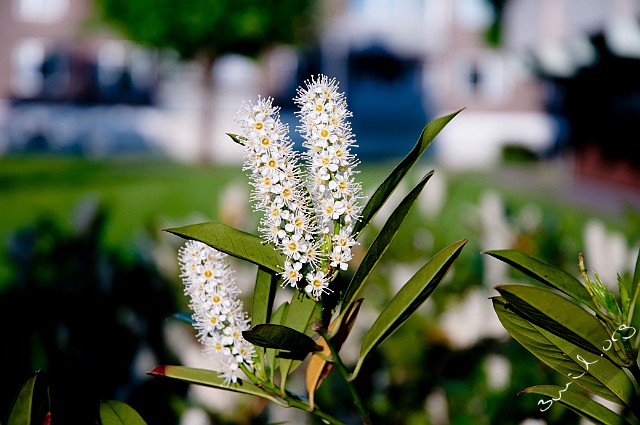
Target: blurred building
401, 63
507, 86
59, 75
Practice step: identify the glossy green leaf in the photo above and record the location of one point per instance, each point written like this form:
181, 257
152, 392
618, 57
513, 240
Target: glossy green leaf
545, 273
579, 403
277, 317
537, 342
302, 311
635, 303
384, 191
261, 304
382, 242
280, 337
234, 242
408, 299
209, 378
184, 317
31, 403
558, 315
114, 412
600, 368
263, 295
236, 138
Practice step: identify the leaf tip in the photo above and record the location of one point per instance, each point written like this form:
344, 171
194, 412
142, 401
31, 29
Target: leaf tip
158, 371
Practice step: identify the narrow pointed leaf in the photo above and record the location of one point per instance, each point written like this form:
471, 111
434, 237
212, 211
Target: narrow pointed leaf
302, 311
234, 242
382, 242
31, 403
277, 317
209, 378
185, 317
114, 412
263, 295
408, 299
384, 191
559, 316
280, 337
261, 305
318, 368
579, 403
538, 343
236, 138
600, 368
635, 303
545, 273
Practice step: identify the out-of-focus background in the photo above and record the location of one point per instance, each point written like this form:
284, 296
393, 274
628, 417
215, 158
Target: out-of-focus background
113, 117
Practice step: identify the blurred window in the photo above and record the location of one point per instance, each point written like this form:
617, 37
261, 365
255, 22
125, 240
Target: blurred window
40, 11
26, 63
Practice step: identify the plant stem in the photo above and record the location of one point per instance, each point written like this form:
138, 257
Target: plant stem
291, 399
362, 408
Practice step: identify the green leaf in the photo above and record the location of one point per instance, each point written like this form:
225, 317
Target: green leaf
114, 412
579, 403
545, 273
604, 371
185, 317
281, 338
382, 242
263, 295
537, 342
261, 305
236, 138
277, 317
558, 315
209, 378
300, 314
234, 242
387, 187
32, 402
408, 299
634, 312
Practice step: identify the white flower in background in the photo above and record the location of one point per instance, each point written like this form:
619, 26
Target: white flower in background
217, 312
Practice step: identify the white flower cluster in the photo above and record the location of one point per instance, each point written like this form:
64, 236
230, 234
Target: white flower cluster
308, 217
328, 139
218, 314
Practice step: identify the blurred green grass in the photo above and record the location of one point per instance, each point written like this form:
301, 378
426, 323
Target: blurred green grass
140, 194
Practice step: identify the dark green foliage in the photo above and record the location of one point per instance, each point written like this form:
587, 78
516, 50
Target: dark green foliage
210, 27
81, 312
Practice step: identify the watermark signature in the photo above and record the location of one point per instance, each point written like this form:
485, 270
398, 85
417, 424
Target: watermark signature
549, 403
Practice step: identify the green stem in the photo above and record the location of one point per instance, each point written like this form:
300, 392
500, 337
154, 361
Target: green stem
362, 408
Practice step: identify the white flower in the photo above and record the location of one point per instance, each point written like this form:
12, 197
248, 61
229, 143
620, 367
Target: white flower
218, 315
327, 136
317, 284
276, 178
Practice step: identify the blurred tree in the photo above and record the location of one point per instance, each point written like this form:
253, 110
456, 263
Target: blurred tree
204, 30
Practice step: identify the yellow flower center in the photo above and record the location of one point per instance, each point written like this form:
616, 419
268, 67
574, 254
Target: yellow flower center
286, 192
292, 246
265, 141
259, 126
272, 163
208, 273
324, 133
